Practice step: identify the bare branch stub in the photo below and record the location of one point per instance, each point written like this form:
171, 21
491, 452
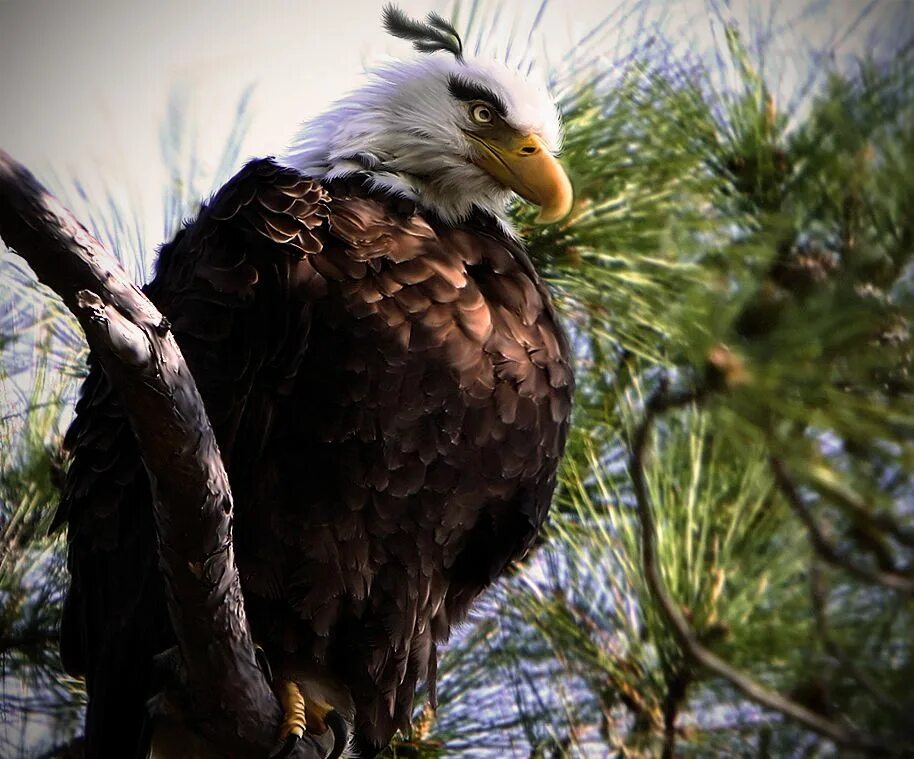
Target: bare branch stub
232, 702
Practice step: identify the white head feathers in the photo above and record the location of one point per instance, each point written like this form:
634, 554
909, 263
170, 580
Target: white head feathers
405, 129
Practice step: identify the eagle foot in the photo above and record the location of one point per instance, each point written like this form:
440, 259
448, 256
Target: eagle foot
302, 715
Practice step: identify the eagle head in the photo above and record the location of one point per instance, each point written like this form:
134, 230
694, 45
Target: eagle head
450, 133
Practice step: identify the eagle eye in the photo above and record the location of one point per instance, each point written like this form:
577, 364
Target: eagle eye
481, 113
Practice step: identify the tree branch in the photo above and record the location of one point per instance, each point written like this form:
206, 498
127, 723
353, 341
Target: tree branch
676, 691
847, 663
660, 402
826, 549
232, 703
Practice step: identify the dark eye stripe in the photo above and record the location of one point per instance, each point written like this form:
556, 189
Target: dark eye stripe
464, 89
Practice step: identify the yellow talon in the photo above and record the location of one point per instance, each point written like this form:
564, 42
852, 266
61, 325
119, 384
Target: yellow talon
293, 707
304, 711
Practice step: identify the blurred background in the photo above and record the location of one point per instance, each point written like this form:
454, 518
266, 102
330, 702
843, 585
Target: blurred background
736, 276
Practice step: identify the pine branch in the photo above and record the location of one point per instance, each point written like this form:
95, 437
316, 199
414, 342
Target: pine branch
660, 402
677, 689
818, 591
230, 697
826, 549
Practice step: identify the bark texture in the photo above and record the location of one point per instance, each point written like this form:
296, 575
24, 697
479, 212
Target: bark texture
230, 698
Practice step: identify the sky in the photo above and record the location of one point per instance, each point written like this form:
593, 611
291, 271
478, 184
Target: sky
85, 86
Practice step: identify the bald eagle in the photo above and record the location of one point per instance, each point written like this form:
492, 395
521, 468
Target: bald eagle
389, 386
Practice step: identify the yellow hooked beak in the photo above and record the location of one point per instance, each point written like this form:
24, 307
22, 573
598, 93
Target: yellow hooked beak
522, 163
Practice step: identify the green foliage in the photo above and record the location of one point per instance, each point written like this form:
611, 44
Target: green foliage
761, 259
32, 578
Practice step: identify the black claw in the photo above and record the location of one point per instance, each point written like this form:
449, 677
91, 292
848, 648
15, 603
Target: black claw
340, 730
260, 656
338, 727
287, 747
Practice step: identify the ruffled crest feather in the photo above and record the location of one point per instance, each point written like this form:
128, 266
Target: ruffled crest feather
429, 37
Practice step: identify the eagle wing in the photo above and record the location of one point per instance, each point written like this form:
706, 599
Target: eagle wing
236, 286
